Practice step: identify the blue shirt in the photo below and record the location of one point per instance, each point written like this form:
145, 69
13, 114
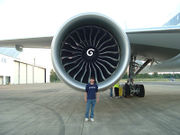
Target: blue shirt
91, 91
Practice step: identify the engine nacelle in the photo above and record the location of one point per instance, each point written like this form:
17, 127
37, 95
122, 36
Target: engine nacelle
90, 45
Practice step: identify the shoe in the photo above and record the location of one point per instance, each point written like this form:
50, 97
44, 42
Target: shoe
86, 119
92, 119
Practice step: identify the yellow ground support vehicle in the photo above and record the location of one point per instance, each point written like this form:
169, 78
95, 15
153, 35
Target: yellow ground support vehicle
118, 90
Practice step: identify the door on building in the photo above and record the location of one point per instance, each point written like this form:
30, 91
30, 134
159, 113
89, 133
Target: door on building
39, 75
1, 80
8, 80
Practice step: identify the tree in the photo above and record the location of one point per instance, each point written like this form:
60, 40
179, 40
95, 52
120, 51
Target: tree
125, 76
155, 75
53, 76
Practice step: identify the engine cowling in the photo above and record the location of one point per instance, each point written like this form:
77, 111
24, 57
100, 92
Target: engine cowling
90, 45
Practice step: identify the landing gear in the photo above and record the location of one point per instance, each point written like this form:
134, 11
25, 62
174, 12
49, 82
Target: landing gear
131, 89
126, 90
134, 90
141, 92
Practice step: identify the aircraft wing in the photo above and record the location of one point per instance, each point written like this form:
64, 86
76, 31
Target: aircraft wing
35, 42
159, 44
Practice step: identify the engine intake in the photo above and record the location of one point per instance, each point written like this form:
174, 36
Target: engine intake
90, 45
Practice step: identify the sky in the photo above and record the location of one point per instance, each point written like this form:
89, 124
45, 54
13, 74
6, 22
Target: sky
42, 57
38, 18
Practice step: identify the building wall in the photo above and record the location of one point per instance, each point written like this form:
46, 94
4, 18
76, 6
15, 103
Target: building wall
6, 68
39, 75
29, 74
16, 72
22, 73
1, 80
26, 73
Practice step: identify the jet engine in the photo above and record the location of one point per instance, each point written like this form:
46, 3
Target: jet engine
90, 45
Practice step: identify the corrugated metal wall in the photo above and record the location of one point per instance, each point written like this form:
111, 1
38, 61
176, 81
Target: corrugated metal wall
25, 73
29, 74
22, 73
16, 72
1, 80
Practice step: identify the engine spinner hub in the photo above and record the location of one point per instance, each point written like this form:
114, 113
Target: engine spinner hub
90, 54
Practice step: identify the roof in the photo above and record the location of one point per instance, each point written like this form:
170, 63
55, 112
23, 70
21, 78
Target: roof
11, 52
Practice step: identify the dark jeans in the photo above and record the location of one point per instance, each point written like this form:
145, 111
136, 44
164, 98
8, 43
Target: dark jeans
90, 105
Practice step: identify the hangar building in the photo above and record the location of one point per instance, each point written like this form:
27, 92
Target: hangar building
16, 71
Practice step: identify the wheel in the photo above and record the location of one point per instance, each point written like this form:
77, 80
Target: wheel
141, 91
136, 86
126, 90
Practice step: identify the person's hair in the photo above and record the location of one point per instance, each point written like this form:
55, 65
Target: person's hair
92, 77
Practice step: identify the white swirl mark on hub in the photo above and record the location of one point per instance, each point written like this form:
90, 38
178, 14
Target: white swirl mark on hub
90, 52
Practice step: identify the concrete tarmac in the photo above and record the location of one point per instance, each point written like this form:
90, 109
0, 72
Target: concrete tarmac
56, 109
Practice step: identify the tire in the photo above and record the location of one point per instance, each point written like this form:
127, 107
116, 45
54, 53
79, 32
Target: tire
126, 90
142, 91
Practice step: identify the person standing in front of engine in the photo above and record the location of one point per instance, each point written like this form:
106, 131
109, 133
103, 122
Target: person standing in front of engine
91, 96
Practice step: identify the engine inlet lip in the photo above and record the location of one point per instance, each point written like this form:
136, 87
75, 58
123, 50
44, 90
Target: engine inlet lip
90, 19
